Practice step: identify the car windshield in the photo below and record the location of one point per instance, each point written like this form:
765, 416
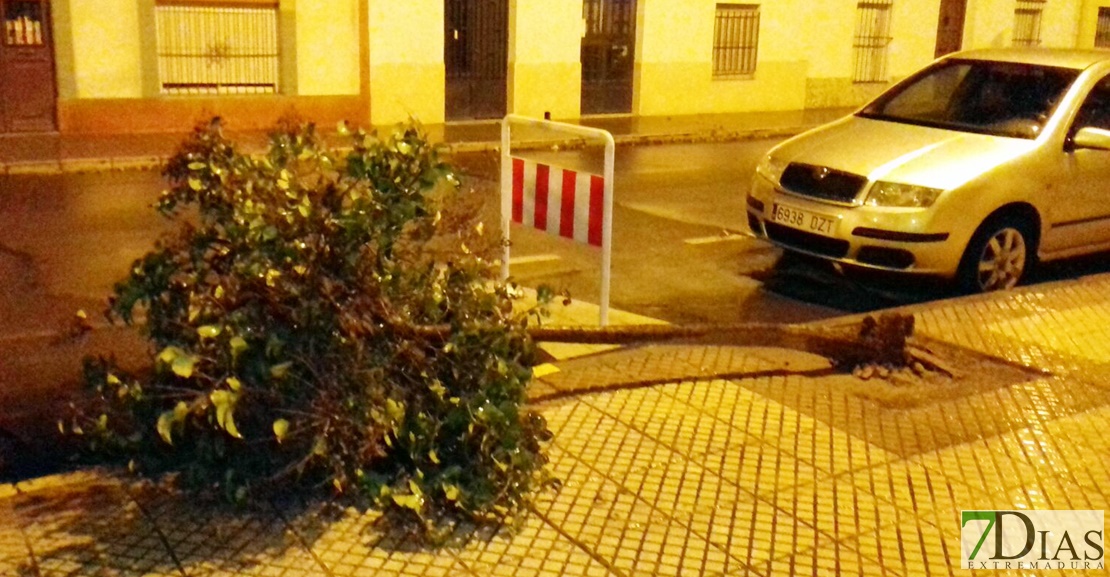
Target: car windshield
988, 97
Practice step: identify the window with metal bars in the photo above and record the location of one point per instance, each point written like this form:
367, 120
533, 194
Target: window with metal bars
871, 41
217, 49
735, 40
1102, 31
1027, 22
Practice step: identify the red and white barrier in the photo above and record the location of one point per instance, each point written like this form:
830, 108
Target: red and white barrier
567, 203
560, 201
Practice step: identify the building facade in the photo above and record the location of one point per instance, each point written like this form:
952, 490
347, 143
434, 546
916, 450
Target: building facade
126, 66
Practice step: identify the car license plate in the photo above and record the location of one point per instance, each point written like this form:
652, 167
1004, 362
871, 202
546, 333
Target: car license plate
805, 220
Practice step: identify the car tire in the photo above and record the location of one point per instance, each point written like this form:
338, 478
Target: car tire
999, 256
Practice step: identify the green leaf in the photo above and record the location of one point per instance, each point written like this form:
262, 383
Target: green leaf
168, 419
183, 365
234, 383
209, 331
413, 502
165, 427
196, 184
281, 370
170, 353
451, 492
238, 345
433, 456
395, 410
281, 427
224, 401
197, 166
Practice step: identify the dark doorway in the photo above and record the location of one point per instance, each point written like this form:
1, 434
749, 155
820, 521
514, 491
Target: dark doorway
950, 26
476, 54
27, 90
608, 55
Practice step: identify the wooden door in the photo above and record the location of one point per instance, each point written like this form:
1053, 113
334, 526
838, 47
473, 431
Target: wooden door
608, 56
950, 26
476, 57
27, 89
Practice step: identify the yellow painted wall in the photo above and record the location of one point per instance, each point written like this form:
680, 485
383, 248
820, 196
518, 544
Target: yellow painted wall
1060, 24
545, 68
674, 62
327, 47
914, 36
829, 32
406, 61
989, 24
1088, 22
106, 49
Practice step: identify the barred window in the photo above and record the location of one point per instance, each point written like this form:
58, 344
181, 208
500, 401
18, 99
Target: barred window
871, 41
1102, 32
217, 49
1027, 22
735, 40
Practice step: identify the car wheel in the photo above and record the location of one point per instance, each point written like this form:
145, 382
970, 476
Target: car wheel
998, 256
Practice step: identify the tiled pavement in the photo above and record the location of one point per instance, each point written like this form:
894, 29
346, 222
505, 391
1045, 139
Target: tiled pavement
691, 460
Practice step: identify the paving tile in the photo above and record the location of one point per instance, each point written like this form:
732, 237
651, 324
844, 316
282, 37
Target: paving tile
1077, 330
211, 539
537, 548
347, 542
89, 527
758, 467
650, 532
15, 557
829, 559
912, 547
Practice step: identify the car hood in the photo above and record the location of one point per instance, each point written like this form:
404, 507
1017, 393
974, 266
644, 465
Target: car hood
906, 153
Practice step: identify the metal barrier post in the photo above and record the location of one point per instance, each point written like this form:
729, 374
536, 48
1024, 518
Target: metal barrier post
607, 195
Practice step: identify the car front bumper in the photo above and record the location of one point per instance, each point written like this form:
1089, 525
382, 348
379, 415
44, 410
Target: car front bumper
891, 239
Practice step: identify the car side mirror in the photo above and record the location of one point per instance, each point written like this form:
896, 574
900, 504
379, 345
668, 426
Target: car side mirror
1090, 137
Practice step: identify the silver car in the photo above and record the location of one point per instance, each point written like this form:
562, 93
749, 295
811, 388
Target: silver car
972, 169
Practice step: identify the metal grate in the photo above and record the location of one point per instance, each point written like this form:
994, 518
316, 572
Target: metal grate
871, 40
608, 55
1102, 32
822, 182
1027, 22
217, 49
23, 23
735, 40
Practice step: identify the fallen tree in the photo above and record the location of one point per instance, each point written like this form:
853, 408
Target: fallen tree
883, 341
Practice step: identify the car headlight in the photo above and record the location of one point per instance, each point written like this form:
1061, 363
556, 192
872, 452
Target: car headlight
771, 167
901, 195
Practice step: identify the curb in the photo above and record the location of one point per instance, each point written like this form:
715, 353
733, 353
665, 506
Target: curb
107, 164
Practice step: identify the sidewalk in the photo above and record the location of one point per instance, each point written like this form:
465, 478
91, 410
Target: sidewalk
685, 459
690, 460
53, 152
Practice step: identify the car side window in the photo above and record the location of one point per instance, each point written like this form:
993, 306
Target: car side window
1095, 111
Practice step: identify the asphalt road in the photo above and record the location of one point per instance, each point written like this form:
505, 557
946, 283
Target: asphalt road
677, 255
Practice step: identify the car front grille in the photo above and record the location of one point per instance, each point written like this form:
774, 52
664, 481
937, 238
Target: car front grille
806, 241
822, 182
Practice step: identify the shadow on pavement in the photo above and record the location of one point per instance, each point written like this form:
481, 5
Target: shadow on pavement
816, 281
103, 523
